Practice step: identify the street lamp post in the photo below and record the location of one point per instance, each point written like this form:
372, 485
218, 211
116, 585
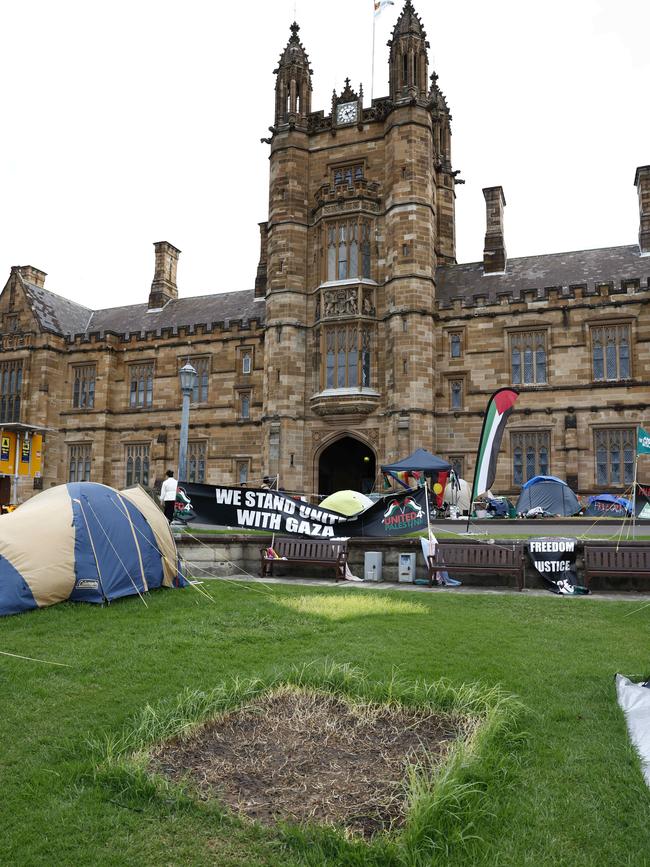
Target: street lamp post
187, 377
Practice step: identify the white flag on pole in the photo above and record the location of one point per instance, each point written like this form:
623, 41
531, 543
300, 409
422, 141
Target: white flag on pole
381, 4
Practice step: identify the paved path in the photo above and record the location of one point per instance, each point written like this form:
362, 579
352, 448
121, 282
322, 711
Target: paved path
464, 590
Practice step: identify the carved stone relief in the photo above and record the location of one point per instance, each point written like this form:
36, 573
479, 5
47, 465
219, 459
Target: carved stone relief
341, 302
368, 305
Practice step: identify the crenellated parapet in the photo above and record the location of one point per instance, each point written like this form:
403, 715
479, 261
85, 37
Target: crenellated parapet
606, 272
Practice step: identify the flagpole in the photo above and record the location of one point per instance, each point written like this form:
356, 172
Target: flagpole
426, 500
636, 464
372, 74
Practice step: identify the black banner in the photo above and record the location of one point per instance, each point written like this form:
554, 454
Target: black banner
642, 501
277, 512
555, 560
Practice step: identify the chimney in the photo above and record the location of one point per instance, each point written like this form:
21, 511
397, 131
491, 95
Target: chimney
494, 252
32, 275
260, 279
642, 184
163, 287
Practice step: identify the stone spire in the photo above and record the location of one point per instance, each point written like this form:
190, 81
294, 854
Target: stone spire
293, 85
409, 77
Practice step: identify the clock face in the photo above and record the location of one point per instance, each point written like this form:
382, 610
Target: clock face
346, 112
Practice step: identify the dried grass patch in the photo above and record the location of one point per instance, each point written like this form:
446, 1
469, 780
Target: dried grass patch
352, 770
308, 756
349, 605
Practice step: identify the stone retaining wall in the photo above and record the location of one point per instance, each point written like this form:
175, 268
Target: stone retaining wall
230, 555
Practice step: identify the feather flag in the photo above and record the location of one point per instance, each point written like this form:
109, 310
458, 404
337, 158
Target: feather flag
381, 4
643, 442
496, 415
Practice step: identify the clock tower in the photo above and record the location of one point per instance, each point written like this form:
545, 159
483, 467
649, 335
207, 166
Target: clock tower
348, 107
361, 212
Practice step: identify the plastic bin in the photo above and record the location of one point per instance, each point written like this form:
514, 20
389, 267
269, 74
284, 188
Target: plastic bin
406, 568
372, 566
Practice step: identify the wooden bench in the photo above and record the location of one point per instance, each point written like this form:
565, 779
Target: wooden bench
605, 561
482, 558
307, 552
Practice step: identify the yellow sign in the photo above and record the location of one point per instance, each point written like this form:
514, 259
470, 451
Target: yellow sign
8, 453
30, 454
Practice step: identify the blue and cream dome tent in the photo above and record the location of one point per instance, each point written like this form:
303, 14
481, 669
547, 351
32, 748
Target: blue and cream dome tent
85, 542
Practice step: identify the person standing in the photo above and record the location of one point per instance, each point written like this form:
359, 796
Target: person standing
168, 495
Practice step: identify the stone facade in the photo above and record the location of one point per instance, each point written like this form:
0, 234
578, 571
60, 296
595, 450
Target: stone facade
362, 332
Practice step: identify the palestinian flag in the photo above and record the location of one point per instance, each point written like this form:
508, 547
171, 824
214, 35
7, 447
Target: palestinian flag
496, 415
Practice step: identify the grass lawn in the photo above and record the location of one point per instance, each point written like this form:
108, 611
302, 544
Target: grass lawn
570, 794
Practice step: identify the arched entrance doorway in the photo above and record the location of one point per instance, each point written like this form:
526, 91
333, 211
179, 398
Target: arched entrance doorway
347, 464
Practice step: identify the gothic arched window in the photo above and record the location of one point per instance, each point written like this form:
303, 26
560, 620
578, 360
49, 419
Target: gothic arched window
347, 354
610, 352
137, 464
528, 357
615, 450
530, 455
348, 250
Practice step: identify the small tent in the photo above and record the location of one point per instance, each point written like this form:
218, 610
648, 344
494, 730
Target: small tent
552, 495
347, 502
459, 495
423, 462
608, 506
85, 542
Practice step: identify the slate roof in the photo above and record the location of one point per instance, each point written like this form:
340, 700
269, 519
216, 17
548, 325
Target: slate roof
56, 313
62, 316
224, 307
587, 268
466, 282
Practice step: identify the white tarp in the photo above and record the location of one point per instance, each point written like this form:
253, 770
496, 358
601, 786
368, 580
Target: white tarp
635, 701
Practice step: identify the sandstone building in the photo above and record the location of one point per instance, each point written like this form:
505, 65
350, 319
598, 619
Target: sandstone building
362, 340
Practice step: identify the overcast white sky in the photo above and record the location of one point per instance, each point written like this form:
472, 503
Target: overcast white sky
135, 121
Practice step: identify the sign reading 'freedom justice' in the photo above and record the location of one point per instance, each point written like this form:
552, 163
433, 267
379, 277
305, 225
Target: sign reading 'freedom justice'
555, 560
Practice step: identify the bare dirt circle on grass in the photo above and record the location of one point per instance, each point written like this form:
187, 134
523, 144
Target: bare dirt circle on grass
310, 756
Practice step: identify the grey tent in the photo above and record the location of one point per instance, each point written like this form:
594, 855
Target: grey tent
549, 493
